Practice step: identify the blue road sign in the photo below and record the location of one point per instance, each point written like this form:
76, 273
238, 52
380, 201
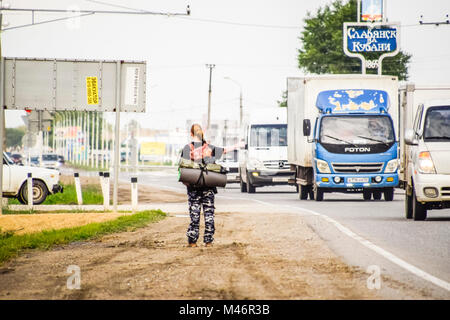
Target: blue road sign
364, 39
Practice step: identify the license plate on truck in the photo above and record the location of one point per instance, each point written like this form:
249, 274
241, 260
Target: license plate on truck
357, 180
280, 179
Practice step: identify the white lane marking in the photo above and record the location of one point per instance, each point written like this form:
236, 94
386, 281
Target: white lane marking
182, 216
386, 254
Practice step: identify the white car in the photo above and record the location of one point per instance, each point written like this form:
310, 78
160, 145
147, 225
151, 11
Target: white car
230, 162
428, 165
45, 181
50, 161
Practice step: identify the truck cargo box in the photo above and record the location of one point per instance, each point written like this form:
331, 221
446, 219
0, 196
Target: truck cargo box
302, 96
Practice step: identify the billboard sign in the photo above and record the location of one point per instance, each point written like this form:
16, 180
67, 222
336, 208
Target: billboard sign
153, 148
82, 85
372, 10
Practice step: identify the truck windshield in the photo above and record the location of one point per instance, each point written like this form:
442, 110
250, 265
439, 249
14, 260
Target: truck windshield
356, 130
437, 124
268, 135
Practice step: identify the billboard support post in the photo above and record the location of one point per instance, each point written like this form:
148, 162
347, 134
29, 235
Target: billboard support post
117, 136
2, 113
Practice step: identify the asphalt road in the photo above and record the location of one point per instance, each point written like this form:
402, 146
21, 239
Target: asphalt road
363, 233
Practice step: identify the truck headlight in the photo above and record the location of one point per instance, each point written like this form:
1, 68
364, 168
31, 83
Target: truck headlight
322, 166
391, 166
426, 164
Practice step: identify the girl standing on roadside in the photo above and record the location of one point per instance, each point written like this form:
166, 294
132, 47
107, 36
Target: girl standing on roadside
200, 151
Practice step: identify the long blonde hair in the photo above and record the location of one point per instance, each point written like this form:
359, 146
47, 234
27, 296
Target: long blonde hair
196, 131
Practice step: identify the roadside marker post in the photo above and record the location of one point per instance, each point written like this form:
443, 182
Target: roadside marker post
134, 194
30, 191
78, 188
106, 192
102, 183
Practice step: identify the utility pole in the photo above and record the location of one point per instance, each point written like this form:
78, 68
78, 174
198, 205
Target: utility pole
211, 67
241, 112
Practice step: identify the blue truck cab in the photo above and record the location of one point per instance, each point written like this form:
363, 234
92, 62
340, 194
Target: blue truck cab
354, 145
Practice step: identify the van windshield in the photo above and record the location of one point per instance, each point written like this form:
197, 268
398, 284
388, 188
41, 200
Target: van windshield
268, 135
437, 124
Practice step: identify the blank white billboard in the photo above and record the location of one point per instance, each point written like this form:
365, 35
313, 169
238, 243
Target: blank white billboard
82, 85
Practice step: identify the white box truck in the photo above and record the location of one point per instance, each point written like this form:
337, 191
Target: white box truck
342, 134
425, 148
263, 161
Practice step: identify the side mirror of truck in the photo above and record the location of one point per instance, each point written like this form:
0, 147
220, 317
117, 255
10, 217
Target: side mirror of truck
410, 138
306, 127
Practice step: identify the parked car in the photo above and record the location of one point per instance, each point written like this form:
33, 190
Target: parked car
34, 161
17, 158
50, 161
45, 181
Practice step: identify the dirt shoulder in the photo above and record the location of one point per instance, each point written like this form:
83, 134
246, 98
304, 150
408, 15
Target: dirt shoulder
255, 256
146, 194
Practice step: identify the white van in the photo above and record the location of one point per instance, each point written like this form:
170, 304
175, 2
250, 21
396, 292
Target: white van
263, 161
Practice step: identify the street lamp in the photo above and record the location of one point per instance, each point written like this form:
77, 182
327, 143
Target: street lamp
240, 99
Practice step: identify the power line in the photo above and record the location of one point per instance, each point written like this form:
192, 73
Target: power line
240, 24
82, 13
203, 19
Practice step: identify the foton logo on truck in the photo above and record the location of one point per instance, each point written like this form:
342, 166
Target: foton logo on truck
366, 149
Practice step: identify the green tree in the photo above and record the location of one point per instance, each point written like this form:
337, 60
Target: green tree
14, 136
322, 40
322, 46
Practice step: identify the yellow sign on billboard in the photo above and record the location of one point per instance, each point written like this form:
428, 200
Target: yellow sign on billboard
153, 148
92, 90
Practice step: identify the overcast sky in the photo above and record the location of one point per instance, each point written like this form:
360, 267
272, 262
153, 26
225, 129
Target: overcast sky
254, 42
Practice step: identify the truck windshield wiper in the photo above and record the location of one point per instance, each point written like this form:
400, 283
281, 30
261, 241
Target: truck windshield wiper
376, 140
347, 142
438, 137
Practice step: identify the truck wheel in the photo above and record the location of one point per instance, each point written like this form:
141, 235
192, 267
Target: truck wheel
303, 192
408, 206
419, 210
376, 195
318, 193
311, 193
367, 195
250, 187
243, 184
389, 194
40, 192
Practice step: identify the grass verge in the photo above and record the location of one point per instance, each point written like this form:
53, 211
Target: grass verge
92, 194
12, 245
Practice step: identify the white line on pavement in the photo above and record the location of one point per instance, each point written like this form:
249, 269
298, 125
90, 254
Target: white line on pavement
386, 254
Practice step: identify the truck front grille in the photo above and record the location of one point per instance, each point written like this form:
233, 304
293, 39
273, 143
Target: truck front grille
232, 170
357, 167
276, 164
445, 191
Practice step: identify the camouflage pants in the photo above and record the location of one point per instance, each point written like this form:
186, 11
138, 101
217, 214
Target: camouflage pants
197, 199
